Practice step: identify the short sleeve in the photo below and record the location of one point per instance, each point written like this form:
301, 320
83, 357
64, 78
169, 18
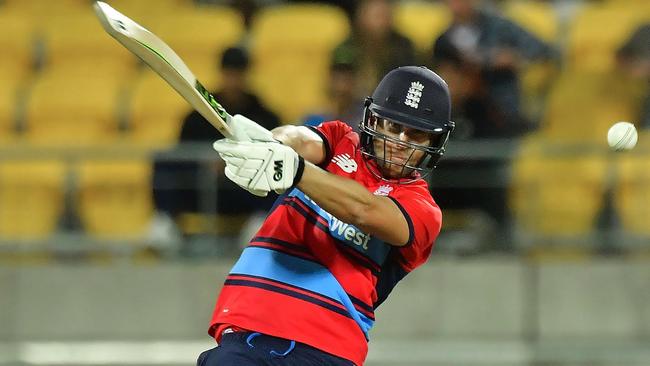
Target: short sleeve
425, 221
332, 133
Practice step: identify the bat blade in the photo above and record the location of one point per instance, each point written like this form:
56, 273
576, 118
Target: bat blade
166, 63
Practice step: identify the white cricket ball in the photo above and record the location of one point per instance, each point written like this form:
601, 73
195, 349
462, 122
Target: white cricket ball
622, 136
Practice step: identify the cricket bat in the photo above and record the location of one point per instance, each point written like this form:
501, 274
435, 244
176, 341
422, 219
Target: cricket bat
164, 61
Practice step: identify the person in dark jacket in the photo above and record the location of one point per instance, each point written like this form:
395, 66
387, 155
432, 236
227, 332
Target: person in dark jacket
376, 45
481, 54
178, 184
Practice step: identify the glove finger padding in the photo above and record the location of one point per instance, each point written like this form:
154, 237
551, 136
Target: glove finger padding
243, 182
260, 166
246, 168
227, 147
246, 129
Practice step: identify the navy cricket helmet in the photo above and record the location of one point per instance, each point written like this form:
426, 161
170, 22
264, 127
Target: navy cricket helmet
411, 97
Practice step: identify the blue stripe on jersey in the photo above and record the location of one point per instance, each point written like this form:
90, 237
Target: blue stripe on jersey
372, 248
358, 257
285, 291
297, 272
292, 249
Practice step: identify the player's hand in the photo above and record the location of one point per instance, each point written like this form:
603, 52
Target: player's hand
260, 167
245, 129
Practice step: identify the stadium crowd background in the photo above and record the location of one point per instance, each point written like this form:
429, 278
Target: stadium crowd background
81, 121
102, 164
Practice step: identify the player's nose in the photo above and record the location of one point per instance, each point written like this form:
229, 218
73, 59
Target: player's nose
397, 142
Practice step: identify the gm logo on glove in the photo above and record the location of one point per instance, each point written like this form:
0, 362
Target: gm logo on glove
277, 168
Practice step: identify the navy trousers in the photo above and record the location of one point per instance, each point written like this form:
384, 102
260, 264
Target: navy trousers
255, 349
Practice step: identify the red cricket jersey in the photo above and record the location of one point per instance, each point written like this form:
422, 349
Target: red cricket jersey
309, 277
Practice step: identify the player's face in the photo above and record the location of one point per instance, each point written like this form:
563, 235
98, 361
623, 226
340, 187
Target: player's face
396, 151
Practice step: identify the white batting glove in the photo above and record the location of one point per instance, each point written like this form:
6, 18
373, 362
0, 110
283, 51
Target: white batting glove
245, 129
260, 167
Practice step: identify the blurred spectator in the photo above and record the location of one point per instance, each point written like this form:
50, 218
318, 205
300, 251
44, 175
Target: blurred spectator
480, 55
177, 185
634, 59
247, 8
234, 96
376, 45
344, 101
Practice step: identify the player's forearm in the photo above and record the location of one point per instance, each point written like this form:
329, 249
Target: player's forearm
344, 198
303, 140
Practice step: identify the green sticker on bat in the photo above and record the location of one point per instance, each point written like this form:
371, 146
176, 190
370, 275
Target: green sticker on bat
211, 101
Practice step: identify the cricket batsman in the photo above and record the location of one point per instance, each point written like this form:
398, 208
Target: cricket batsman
353, 218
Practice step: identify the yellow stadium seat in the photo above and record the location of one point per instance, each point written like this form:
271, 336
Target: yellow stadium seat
72, 111
31, 198
598, 31
537, 17
557, 189
632, 192
17, 42
114, 197
422, 22
642, 7
156, 112
76, 44
142, 11
582, 106
290, 48
200, 35
8, 100
42, 9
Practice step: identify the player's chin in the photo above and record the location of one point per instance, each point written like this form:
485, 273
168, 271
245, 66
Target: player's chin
394, 171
